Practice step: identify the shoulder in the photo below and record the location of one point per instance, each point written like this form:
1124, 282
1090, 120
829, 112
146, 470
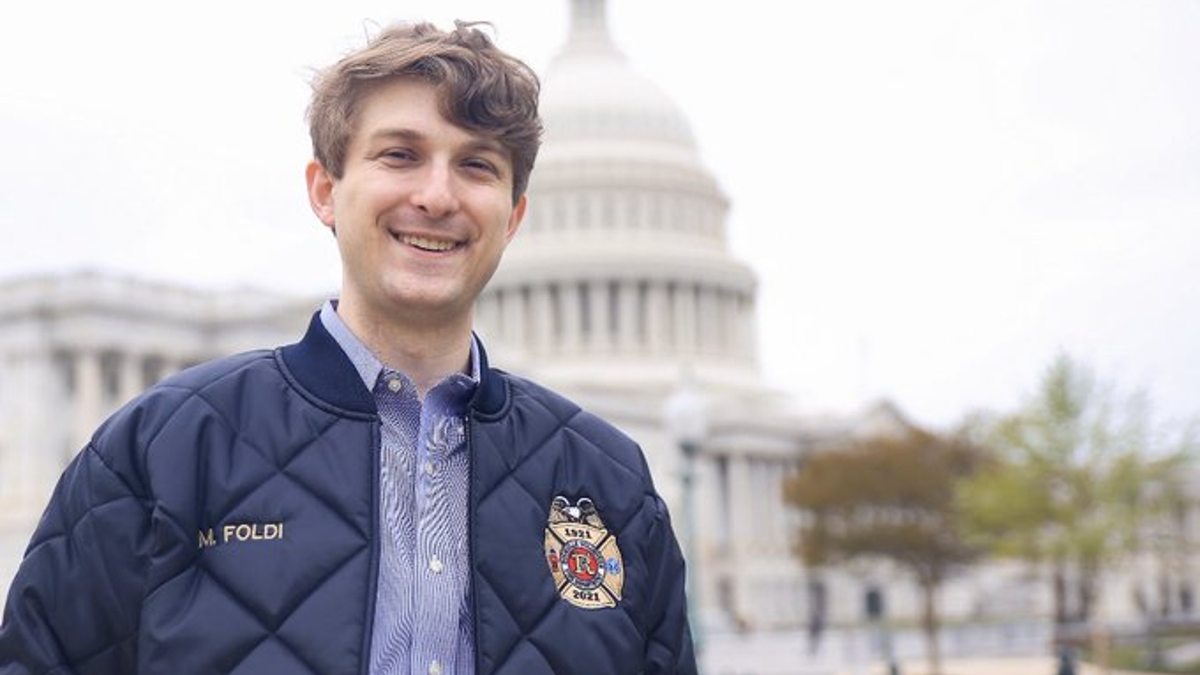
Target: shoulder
204, 375
175, 407
209, 384
543, 411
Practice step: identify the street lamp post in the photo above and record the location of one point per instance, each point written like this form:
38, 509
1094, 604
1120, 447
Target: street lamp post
687, 423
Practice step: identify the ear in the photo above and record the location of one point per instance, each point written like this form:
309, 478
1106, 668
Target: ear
515, 219
320, 193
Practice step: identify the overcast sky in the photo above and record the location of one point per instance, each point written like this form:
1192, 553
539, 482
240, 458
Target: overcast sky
938, 195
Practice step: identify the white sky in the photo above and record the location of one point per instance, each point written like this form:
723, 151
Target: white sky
938, 195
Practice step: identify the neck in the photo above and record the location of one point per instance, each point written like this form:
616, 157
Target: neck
427, 352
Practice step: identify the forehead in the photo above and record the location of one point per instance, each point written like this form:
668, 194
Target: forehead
415, 107
399, 94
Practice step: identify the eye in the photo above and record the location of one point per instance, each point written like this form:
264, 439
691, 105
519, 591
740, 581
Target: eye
398, 156
481, 165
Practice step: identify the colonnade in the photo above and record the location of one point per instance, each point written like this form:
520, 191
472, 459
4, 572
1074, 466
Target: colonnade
622, 315
579, 210
749, 534
51, 402
75, 348
96, 381
754, 518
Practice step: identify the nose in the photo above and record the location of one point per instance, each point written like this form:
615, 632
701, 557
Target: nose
435, 194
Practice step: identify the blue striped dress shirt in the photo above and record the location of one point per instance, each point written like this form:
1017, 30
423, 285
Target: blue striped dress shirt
423, 622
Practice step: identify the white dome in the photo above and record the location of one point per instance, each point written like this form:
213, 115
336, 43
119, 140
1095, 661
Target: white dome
622, 271
598, 96
591, 92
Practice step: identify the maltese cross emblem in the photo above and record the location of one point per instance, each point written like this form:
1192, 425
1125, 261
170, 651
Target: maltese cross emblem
583, 556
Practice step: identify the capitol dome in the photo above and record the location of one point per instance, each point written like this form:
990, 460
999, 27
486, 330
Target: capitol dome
591, 92
621, 275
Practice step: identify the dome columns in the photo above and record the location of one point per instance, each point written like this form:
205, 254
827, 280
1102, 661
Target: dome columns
620, 315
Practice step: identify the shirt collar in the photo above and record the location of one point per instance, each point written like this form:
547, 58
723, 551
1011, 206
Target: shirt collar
365, 362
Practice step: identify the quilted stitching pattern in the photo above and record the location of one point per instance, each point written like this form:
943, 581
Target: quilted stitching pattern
265, 458
229, 443
232, 443
69, 535
547, 446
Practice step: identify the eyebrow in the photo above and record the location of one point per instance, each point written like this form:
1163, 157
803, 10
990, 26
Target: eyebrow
476, 144
402, 134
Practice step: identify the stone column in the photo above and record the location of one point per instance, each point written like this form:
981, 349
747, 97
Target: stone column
486, 314
496, 316
746, 331
514, 318
657, 316
741, 499
27, 399
729, 324
571, 316
706, 505
708, 320
774, 495
683, 314
32, 453
627, 310
751, 329
760, 486
491, 315
542, 317
600, 315
743, 529
633, 212
88, 397
575, 212
130, 378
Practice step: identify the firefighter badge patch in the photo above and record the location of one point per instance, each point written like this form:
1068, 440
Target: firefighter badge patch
583, 556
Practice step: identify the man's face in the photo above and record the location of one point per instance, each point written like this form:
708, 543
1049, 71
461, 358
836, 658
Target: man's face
422, 212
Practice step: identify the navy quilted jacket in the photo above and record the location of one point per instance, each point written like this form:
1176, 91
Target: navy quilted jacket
224, 523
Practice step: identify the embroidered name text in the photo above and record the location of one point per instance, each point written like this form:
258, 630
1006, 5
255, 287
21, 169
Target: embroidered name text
239, 533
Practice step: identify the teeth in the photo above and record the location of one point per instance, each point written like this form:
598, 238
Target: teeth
427, 244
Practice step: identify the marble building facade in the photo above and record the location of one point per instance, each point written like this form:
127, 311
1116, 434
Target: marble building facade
73, 348
620, 288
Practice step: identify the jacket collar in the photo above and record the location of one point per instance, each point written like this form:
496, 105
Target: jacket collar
321, 367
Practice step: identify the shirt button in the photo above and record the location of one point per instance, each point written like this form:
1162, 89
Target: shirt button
429, 468
435, 668
435, 564
395, 384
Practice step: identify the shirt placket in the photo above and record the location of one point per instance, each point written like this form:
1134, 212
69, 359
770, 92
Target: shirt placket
400, 412
438, 588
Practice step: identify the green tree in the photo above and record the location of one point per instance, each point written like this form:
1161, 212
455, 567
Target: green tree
1168, 504
1073, 484
888, 498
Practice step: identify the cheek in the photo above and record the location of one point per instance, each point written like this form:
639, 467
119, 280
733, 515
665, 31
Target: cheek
356, 212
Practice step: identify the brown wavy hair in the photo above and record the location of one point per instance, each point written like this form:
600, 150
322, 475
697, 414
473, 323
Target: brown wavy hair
482, 89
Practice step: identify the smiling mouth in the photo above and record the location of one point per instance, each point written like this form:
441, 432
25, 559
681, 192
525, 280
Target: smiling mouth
426, 243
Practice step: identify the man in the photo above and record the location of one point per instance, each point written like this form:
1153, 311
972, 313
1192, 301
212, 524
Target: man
375, 498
